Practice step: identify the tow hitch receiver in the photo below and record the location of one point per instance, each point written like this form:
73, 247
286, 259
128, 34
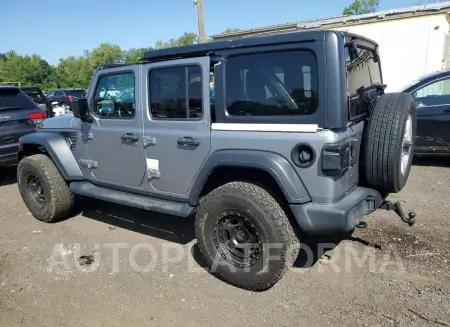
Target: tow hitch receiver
397, 208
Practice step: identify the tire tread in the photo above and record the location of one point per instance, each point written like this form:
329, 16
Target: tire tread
385, 128
261, 198
62, 198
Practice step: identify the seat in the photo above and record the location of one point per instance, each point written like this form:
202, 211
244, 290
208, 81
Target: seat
255, 86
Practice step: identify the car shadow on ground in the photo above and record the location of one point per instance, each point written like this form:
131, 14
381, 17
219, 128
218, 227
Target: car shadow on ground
438, 161
8, 176
181, 231
315, 247
166, 227
311, 250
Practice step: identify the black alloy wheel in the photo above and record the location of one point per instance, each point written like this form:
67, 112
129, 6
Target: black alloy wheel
237, 239
35, 190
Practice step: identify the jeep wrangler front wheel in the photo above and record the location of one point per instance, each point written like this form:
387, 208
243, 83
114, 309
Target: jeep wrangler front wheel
245, 236
43, 189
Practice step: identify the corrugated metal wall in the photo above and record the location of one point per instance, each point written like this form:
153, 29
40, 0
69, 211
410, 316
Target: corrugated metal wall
409, 47
447, 51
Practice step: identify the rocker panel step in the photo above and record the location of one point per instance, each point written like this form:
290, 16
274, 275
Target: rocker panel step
137, 201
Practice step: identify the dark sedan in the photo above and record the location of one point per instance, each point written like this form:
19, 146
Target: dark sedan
36, 94
19, 115
432, 96
64, 96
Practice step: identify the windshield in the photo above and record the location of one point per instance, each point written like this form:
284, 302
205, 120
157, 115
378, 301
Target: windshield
13, 98
418, 80
76, 93
35, 94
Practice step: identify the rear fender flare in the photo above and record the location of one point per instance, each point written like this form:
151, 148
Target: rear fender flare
277, 166
57, 149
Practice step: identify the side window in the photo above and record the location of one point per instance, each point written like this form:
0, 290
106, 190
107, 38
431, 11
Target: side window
176, 93
58, 93
434, 94
362, 71
114, 96
272, 84
212, 94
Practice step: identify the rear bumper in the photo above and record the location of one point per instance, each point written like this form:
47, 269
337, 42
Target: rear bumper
8, 154
341, 216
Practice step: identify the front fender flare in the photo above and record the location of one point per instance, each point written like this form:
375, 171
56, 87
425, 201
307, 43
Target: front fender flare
57, 149
277, 166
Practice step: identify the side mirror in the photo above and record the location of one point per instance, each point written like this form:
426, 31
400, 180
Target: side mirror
80, 109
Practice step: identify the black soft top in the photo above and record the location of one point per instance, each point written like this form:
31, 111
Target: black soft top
30, 87
7, 86
209, 48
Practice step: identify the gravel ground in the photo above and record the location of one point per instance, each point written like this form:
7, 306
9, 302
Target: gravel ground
67, 274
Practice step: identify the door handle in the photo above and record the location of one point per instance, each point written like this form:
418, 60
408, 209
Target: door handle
188, 141
129, 137
447, 110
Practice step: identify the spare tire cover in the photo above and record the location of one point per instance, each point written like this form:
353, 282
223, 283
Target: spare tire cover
388, 144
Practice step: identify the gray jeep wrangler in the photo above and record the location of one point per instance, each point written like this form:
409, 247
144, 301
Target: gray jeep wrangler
261, 138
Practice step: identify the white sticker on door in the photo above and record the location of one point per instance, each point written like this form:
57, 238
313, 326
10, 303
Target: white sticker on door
152, 164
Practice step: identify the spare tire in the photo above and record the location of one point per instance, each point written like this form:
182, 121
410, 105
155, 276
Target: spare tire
388, 145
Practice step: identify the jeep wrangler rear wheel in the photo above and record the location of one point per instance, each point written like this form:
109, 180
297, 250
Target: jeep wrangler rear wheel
389, 142
245, 236
43, 189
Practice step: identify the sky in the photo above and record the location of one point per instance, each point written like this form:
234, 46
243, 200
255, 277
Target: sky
56, 29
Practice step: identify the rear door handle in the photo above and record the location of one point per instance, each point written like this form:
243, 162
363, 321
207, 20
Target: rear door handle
188, 141
129, 137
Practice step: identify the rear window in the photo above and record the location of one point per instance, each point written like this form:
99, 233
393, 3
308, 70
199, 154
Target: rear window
35, 94
76, 93
272, 84
13, 98
363, 71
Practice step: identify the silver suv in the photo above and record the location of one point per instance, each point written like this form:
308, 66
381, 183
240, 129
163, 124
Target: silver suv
259, 138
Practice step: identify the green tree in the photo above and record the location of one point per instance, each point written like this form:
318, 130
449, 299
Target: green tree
24, 69
73, 72
105, 53
133, 55
359, 7
186, 39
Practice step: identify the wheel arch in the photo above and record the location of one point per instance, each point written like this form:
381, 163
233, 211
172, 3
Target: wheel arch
267, 169
55, 146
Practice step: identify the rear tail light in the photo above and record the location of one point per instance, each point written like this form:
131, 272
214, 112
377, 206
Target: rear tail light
37, 117
70, 98
336, 158
384, 86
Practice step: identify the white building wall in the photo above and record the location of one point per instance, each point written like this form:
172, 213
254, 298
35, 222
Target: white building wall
409, 47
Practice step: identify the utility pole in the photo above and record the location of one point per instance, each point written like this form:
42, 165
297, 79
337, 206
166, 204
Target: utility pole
201, 23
